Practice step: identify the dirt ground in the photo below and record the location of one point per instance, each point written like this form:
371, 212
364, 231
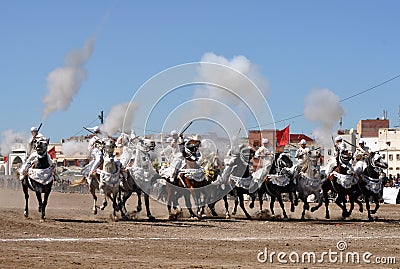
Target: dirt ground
72, 237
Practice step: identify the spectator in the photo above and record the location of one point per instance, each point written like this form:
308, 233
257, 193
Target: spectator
385, 180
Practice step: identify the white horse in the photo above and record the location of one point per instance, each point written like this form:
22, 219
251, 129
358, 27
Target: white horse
107, 177
110, 176
309, 182
139, 173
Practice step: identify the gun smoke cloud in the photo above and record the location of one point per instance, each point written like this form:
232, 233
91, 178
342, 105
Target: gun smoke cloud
119, 119
9, 138
323, 107
64, 83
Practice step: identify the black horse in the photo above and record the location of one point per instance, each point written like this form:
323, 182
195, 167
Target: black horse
38, 175
278, 181
237, 180
344, 182
370, 183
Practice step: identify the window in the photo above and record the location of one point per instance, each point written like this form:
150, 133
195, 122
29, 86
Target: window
390, 168
384, 156
256, 143
329, 152
390, 157
397, 168
398, 157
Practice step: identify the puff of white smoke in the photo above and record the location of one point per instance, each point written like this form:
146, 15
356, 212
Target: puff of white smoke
119, 119
323, 107
231, 79
64, 83
9, 138
74, 148
236, 92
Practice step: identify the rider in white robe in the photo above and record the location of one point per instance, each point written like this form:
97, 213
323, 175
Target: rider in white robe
265, 156
95, 150
362, 152
301, 155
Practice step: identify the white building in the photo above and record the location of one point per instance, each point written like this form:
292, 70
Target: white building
389, 146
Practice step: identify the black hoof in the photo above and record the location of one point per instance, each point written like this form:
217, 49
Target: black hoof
151, 218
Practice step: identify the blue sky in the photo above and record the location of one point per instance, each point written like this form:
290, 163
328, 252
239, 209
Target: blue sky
344, 46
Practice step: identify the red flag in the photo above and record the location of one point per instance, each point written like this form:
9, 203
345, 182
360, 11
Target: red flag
282, 136
5, 159
52, 153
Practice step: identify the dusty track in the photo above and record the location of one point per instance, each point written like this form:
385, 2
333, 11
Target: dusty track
72, 237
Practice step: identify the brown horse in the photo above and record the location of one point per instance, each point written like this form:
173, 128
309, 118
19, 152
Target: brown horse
187, 179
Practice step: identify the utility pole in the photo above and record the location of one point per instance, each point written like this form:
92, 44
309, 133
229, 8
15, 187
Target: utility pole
101, 117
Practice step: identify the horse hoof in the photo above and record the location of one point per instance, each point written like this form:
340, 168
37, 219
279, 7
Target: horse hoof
233, 213
194, 218
151, 218
313, 209
26, 214
139, 208
213, 212
227, 216
373, 212
285, 218
172, 217
251, 205
39, 209
327, 217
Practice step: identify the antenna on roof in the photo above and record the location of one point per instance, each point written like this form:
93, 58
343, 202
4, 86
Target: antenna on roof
398, 120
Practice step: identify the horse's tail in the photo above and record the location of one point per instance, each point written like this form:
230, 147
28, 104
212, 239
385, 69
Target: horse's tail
78, 182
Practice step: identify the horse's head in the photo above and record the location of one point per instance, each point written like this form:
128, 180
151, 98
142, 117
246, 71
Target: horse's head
41, 145
109, 146
191, 148
283, 160
376, 161
345, 156
246, 154
147, 145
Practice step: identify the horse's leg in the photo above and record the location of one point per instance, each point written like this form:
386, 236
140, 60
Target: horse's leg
272, 204
235, 194
147, 204
93, 192
319, 199
339, 200
368, 207
44, 204
279, 197
225, 198
26, 193
104, 204
139, 200
292, 203
260, 200
305, 206
253, 198
376, 201
40, 202
169, 201
241, 202
326, 200
189, 206
122, 204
